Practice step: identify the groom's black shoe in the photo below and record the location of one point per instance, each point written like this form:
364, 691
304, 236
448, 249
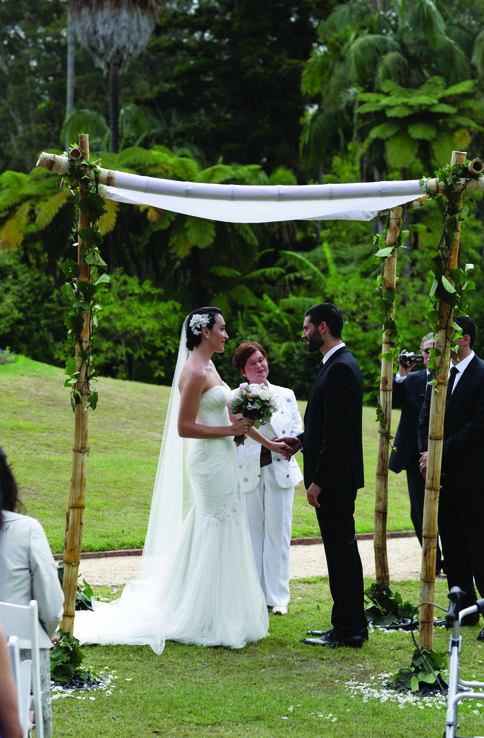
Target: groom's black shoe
333, 640
319, 633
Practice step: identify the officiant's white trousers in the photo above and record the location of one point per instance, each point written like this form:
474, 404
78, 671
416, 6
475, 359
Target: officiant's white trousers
268, 512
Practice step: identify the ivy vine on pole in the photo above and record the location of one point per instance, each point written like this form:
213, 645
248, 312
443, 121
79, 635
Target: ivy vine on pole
84, 276
451, 283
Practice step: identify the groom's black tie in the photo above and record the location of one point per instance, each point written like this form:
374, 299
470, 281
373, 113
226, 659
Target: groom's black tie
450, 386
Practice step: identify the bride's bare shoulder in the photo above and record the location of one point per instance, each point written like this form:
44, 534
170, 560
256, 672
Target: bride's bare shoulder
193, 376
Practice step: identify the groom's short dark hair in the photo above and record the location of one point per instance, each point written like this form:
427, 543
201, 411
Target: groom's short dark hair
468, 326
330, 314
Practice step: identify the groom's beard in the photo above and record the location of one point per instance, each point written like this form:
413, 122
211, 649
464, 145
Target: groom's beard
314, 342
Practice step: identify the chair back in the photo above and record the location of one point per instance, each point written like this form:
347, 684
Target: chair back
22, 674
23, 621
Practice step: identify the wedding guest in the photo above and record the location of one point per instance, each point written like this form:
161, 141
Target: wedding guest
28, 572
10, 726
267, 482
409, 390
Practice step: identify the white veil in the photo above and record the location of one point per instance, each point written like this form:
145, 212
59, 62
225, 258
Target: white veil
138, 616
172, 493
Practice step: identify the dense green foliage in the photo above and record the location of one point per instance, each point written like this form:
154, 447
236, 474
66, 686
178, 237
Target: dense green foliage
227, 91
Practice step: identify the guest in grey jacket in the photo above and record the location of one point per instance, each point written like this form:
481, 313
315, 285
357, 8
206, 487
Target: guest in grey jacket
28, 572
267, 482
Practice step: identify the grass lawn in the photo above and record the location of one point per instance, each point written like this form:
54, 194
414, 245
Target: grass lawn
274, 688
125, 433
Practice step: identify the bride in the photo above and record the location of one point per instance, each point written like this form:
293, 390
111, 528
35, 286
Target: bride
198, 581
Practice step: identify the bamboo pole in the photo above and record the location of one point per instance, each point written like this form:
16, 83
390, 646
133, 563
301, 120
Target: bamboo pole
386, 386
436, 438
77, 501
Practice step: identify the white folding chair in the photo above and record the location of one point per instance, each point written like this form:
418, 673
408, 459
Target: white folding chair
22, 671
22, 621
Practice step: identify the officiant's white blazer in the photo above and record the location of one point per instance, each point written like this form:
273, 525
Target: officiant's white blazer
286, 421
28, 571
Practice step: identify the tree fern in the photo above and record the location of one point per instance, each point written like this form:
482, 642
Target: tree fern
49, 210
201, 232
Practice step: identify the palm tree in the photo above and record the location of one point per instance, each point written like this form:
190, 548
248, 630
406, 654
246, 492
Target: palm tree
114, 32
365, 43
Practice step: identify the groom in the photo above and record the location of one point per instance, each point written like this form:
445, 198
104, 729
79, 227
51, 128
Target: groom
333, 470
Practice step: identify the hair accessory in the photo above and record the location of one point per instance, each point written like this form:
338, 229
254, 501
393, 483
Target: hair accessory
199, 321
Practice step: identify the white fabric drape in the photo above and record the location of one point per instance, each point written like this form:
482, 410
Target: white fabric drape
264, 204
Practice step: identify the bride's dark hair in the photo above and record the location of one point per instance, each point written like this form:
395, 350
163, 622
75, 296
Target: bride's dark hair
194, 339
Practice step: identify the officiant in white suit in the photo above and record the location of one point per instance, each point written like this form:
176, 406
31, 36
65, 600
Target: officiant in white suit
267, 482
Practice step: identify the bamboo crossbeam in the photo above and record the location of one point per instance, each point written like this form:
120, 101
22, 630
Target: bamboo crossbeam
258, 203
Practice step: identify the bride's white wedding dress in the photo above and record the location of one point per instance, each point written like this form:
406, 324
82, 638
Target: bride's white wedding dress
209, 593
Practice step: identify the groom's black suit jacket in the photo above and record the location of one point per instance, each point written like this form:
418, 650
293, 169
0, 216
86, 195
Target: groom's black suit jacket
332, 436
463, 430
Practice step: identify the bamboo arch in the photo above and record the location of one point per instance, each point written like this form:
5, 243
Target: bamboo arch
242, 204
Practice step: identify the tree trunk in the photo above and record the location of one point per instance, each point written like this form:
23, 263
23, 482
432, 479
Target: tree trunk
77, 502
114, 107
70, 69
386, 385
434, 458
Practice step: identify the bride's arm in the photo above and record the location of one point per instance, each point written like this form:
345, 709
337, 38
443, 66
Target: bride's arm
190, 395
278, 447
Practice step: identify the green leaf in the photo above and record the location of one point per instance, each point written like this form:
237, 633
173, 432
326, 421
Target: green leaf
69, 267
383, 253
201, 232
424, 130
103, 279
448, 285
92, 207
94, 259
87, 289
91, 237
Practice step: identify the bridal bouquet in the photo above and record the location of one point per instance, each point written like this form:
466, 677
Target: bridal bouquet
254, 401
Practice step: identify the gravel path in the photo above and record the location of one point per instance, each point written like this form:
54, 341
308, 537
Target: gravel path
307, 560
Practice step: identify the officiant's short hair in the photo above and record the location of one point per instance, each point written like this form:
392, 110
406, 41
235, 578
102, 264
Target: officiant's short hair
244, 352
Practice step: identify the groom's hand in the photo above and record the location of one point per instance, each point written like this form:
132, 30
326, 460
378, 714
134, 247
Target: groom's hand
313, 492
292, 443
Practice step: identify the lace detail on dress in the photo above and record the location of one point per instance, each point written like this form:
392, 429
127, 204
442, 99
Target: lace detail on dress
224, 513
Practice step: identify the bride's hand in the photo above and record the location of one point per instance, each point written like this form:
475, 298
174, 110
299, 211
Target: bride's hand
241, 425
279, 447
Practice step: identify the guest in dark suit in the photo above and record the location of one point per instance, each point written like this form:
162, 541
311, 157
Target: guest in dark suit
409, 390
461, 504
333, 470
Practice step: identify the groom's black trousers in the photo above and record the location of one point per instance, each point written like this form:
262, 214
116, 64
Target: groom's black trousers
337, 526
